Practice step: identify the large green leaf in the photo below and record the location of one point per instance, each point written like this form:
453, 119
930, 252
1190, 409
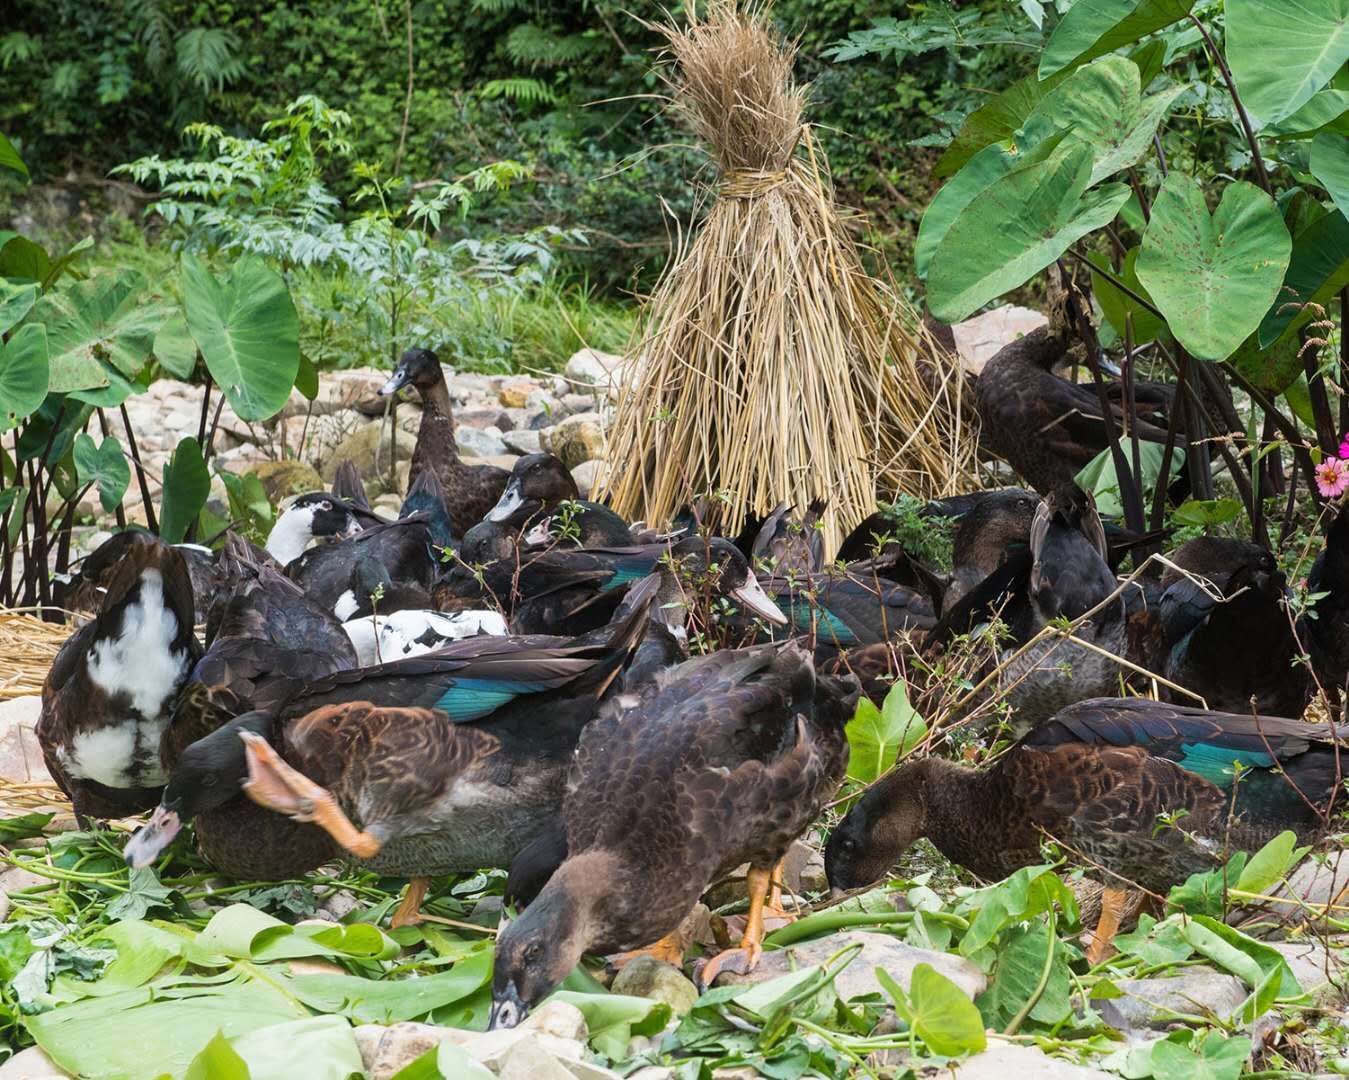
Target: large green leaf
390, 1001
1022, 954
1100, 106
22, 260
1317, 270
1330, 165
876, 737
248, 333
1212, 1058
105, 466
16, 301
1118, 307
174, 348
325, 1044
1015, 228
101, 317
9, 157
1093, 28
938, 1011
1098, 475
187, 485
1025, 894
1328, 110
996, 121
1213, 277
613, 1019
1283, 51
23, 373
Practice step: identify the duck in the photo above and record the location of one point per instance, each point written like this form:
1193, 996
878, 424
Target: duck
566, 590
720, 761
532, 698
343, 575
541, 495
1325, 626
371, 589
787, 547
1104, 777
410, 632
848, 608
108, 699
1047, 428
1227, 633
470, 491
315, 515
348, 487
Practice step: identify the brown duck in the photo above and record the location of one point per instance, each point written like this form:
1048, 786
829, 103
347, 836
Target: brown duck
470, 490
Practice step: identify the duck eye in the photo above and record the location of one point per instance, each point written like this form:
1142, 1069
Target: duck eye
533, 951
325, 505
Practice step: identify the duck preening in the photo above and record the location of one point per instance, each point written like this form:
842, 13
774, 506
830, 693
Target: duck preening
722, 760
470, 491
108, 700
542, 497
1140, 791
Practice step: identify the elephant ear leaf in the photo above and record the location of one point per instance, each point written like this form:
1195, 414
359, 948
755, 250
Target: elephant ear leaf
1282, 53
1016, 227
23, 374
187, 486
105, 466
1213, 276
248, 333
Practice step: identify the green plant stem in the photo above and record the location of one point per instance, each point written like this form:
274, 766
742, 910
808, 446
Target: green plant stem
1020, 1018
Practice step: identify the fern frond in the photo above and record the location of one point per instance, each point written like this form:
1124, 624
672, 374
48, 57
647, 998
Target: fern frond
155, 31
537, 47
17, 47
208, 57
529, 91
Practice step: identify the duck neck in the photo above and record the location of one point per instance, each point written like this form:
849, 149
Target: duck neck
438, 416
571, 903
957, 799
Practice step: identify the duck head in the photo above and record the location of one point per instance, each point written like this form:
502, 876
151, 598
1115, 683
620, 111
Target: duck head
696, 557
316, 515
207, 774
537, 481
883, 824
416, 367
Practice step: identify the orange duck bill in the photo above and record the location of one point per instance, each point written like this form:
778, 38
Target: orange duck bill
274, 784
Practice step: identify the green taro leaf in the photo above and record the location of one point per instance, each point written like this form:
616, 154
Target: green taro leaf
1014, 229
217, 1061
1326, 111
9, 157
24, 374
1268, 866
1093, 28
1213, 277
1281, 52
105, 466
391, 1001
1330, 165
307, 378
248, 333
1101, 107
1116, 304
325, 1044
1317, 270
1217, 1058
174, 348
1025, 894
1021, 963
23, 827
22, 260
877, 737
100, 318
1207, 512
942, 1016
187, 486
15, 302
1098, 475
613, 1019
996, 122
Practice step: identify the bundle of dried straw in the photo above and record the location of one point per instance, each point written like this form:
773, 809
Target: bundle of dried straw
773, 366
28, 645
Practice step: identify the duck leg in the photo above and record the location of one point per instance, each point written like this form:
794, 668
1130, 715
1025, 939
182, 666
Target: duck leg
773, 909
668, 950
1114, 903
274, 784
743, 960
409, 910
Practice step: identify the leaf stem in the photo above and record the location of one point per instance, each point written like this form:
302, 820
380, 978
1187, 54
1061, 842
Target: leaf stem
1261, 175
1038, 992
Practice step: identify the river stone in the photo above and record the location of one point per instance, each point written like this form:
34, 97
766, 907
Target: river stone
1315, 968
858, 978
386, 1050
560, 1019
648, 977
527, 1060
576, 439
592, 371
289, 477
522, 441
1006, 1061
479, 442
361, 448
1151, 1003
588, 475
515, 394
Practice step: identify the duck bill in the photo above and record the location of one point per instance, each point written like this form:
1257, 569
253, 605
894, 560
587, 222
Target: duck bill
152, 838
751, 594
508, 504
397, 381
507, 1009
540, 533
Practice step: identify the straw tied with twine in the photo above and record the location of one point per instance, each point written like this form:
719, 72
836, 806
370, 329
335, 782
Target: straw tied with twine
775, 368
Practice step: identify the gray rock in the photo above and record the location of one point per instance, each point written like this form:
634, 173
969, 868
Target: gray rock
1007, 1061
548, 403
487, 416
1320, 879
588, 474
1152, 1003
368, 448
648, 977
522, 441
577, 403
386, 1050
560, 1019
492, 1048
591, 370
576, 439
653, 1072
527, 1060
1315, 967
479, 442
878, 950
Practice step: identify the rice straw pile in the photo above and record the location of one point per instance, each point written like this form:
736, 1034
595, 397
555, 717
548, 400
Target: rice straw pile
774, 367
28, 645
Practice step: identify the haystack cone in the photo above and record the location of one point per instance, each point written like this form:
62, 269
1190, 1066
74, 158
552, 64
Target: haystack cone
774, 367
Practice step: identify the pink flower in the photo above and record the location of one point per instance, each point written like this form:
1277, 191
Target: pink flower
1332, 477
1344, 447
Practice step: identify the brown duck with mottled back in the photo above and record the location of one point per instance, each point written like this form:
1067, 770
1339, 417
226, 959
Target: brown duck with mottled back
723, 760
470, 490
108, 701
